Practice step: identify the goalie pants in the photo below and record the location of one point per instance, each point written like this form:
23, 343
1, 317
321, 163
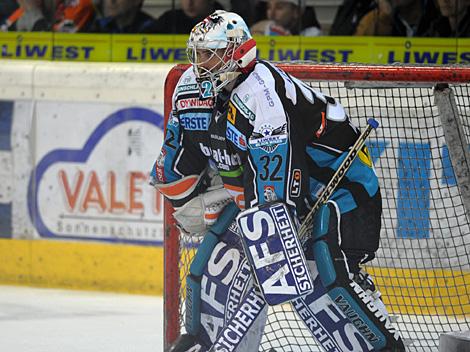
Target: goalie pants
358, 233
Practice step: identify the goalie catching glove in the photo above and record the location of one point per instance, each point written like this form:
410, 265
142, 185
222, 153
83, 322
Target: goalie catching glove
201, 212
197, 199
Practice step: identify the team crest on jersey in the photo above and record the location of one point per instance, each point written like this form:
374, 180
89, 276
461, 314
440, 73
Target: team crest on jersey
242, 107
268, 138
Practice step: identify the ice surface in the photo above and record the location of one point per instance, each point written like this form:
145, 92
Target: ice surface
50, 320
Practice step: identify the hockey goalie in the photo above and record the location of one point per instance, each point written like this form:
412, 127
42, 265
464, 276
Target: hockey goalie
247, 151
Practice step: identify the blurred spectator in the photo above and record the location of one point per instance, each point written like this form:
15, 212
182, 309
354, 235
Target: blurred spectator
73, 15
181, 21
454, 20
7, 7
247, 9
286, 17
122, 16
46, 15
261, 8
309, 17
399, 18
31, 15
349, 14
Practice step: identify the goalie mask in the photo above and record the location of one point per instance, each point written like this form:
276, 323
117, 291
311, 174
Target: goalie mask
220, 48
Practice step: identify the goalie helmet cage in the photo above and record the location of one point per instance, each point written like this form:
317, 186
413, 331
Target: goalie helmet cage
420, 154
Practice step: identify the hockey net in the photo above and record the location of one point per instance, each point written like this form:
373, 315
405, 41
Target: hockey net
420, 153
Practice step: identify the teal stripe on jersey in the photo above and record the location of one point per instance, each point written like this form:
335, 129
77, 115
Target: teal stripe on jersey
361, 178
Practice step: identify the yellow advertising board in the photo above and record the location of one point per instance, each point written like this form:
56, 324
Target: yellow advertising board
149, 48
171, 48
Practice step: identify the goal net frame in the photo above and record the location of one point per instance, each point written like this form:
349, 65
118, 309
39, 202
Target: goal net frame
457, 137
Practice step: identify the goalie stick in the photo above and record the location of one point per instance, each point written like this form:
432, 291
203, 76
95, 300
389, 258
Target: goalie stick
307, 225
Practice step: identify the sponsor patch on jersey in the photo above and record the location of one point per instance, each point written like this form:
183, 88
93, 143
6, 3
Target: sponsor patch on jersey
187, 88
231, 113
296, 183
236, 137
191, 103
242, 107
159, 166
195, 121
268, 138
224, 159
266, 90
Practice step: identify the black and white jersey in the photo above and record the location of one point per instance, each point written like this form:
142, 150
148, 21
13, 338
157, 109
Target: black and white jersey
272, 138
291, 139
184, 150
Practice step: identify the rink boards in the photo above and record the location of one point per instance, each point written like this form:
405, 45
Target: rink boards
82, 140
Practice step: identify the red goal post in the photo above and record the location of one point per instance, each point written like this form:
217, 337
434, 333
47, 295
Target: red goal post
423, 265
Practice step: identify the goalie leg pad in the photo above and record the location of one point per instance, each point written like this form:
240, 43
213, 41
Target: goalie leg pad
321, 252
271, 245
225, 219
328, 325
212, 238
193, 305
334, 273
198, 265
203, 254
244, 330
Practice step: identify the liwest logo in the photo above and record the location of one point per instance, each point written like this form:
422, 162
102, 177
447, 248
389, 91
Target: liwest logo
97, 192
